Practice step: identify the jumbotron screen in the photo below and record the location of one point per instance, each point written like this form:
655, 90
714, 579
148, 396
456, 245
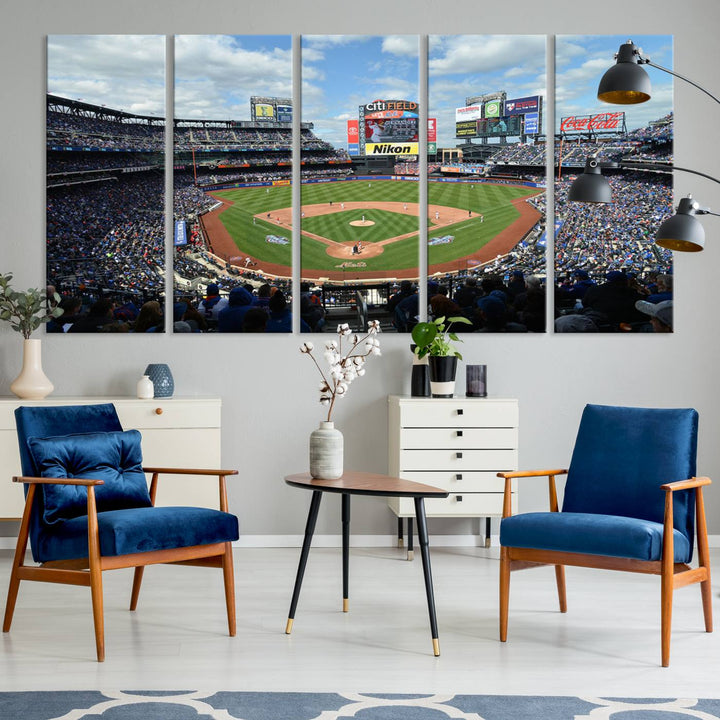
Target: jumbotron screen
504, 125
489, 127
384, 130
390, 127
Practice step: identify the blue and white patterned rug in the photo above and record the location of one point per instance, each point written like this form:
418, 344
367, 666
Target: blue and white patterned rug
189, 705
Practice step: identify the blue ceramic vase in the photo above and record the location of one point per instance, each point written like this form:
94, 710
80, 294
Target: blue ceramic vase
162, 379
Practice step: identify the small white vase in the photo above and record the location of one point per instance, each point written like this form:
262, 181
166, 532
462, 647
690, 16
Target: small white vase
32, 383
145, 388
326, 452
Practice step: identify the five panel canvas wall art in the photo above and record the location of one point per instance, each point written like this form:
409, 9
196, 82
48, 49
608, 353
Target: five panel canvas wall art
407, 192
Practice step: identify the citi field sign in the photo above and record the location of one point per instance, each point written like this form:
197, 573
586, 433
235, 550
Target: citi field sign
396, 108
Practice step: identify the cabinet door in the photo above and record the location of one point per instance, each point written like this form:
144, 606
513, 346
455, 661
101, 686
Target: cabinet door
12, 497
184, 448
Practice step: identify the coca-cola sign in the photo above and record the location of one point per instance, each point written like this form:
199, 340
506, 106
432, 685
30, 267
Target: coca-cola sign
585, 123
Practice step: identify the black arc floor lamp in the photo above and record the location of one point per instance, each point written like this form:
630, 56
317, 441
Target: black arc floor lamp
627, 83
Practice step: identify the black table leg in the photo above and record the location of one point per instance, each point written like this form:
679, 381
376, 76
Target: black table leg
309, 530
410, 551
487, 532
346, 548
400, 532
425, 553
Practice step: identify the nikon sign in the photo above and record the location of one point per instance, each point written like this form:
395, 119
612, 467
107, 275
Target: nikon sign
410, 148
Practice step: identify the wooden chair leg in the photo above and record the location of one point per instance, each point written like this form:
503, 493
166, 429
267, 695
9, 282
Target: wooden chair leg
504, 592
667, 581
704, 559
18, 560
706, 593
229, 578
666, 598
137, 581
96, 587
560, 580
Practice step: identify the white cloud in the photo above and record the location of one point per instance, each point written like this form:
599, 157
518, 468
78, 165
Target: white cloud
405, 45
119, 71
228, 70
483, 53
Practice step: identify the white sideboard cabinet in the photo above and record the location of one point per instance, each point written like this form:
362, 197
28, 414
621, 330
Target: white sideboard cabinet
176, 432
458, 444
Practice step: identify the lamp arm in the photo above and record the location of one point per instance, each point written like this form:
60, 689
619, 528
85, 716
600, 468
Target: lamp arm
669, 167
646, 61
697, 172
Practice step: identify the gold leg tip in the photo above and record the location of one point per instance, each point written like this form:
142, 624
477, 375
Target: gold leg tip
410, 554
288, 627
436, 647
401, 542
346, 605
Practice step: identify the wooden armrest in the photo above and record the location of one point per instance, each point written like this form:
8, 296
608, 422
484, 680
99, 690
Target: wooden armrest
686, 484
549, 474
531, 473
57, 481
189, 471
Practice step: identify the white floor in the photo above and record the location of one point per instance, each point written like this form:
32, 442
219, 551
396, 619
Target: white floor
607, 644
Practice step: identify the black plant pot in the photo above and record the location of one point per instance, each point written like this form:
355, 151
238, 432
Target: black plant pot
442, 375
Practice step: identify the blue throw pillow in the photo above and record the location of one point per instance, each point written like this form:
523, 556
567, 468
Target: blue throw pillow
114, 457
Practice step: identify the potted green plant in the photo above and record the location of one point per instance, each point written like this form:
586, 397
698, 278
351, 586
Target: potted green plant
435, 339
26, 311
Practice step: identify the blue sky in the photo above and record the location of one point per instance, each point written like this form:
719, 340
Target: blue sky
341, 72
215, 75
123, 72
581, 61
465, 65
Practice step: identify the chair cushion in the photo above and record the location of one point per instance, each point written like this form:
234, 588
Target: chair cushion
114, 457
137, 530
623, 455
592, 534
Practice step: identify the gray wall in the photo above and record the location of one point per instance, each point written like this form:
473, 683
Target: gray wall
268, 388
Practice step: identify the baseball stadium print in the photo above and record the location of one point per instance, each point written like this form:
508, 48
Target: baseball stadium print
360, 212
486, 181
609, 275
232, 183
105, 130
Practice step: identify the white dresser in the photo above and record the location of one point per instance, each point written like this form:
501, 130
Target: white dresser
176, 432
458, 444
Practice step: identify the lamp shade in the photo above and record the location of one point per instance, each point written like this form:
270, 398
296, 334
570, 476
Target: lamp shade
625, 83
591, 186
682, 232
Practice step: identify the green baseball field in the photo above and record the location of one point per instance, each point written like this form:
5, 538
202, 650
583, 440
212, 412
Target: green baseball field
369, 228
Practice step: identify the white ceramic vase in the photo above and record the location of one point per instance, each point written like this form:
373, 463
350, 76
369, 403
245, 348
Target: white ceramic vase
145, 388
326, 452
32, 383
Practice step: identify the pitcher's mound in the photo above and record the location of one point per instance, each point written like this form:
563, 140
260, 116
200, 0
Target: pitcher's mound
362, 223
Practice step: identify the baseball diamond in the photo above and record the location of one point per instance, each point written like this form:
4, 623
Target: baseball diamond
375, 223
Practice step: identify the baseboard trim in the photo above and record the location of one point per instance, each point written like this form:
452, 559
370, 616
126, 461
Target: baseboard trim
335, 541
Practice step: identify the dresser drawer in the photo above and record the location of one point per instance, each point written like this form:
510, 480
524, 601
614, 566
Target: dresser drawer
161, 413
458, 482
454, 505
459, 437
458, 412
457, 460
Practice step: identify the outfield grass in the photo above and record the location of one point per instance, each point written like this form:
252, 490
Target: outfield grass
492, 201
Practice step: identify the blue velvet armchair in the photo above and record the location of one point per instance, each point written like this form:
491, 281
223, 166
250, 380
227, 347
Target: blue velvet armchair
632, 502
88, 509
